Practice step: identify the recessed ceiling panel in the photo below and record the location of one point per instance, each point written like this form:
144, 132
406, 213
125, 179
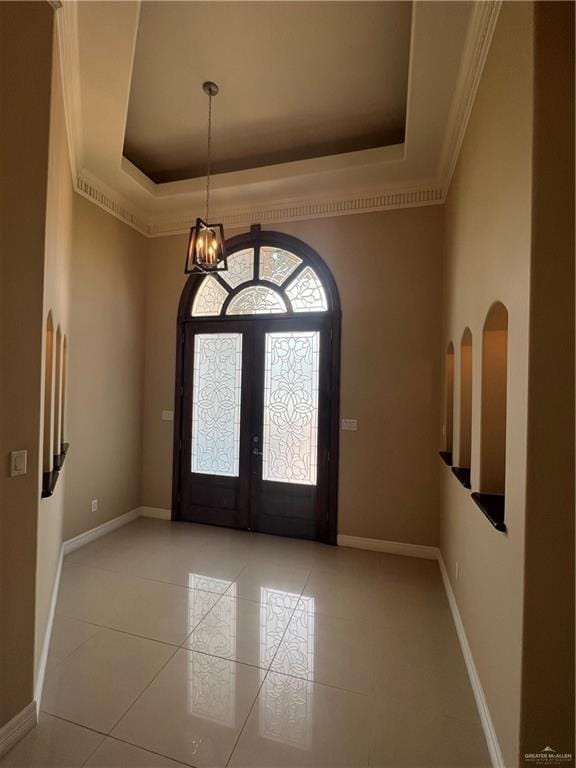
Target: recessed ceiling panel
297, 80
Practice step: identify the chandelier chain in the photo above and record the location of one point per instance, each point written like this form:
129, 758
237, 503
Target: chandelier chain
209, 156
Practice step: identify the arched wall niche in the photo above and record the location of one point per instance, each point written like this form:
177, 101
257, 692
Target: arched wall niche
47, 457
54, 445
462, 470
493, 405
57, 398
493, 399
63, 397
448, 425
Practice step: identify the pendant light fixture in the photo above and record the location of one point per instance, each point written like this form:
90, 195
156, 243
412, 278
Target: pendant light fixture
206, 246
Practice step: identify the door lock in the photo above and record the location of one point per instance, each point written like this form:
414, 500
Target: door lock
255, 450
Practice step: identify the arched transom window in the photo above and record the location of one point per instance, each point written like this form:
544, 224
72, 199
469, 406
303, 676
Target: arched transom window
261, 281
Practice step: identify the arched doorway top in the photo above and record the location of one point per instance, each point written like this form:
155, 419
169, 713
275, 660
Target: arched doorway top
268, 273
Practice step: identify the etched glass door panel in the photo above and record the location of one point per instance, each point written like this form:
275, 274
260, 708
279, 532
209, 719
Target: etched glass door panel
216, 391
291, 377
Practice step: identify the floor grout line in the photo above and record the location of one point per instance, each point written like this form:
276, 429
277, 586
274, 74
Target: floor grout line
155, 581
144, 689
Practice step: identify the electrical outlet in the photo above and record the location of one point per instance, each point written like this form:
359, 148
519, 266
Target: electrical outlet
349, 425
457, 570
94, 505
167, 415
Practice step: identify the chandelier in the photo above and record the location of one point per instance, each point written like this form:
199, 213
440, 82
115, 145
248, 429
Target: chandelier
206, 245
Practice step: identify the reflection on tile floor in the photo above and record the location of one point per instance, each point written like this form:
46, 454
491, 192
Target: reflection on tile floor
182, 644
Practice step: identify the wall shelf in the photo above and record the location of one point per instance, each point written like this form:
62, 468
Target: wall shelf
492, 505
463, 475
446, 457
49, 479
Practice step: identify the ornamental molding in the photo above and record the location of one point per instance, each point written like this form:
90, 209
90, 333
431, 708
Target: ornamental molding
431, 191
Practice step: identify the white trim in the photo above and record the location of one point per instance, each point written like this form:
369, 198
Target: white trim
39, 687
496, 757
157, 512
69, 546
95, 533
478, 41
18, 727
390, 547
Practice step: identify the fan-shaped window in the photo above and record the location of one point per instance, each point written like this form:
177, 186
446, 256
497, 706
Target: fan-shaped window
240, 267
276, 264
265, 280
210, 298
256, 300
306, 292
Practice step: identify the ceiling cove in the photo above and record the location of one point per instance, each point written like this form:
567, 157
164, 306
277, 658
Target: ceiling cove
368, 132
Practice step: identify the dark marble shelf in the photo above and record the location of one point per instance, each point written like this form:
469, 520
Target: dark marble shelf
463, 475
446, 457
492, 505
49, 479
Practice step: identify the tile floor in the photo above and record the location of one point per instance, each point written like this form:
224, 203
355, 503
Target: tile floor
176, 644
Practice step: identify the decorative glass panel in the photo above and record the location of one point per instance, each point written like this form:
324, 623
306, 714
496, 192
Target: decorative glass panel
209, 298
306, 292
240, 267
291, 374
276, 265
256, 300
216, 390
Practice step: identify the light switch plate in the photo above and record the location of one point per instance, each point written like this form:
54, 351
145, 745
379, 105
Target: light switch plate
350, 425
18, 463
94, 505
167, 415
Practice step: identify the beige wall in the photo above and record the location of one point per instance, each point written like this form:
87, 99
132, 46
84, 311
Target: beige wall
106, 338
25, 56
57, 265
387, 268
488, 242
93, 288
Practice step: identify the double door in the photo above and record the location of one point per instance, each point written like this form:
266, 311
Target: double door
254, 442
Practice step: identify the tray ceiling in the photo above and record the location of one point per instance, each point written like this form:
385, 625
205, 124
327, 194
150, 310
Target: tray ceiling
298, 80
326, 108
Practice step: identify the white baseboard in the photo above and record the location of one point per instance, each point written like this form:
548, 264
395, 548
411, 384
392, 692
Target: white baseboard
69, 546
18, 727
94, 533
39, 687
157, 512
390, 547
496, 757
433, 553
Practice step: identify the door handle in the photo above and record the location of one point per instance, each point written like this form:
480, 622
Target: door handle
256, 452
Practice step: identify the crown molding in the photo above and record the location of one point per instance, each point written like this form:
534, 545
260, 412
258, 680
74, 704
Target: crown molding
110, 203
68, 47
430, 191
293, 210
478, 41
296, 210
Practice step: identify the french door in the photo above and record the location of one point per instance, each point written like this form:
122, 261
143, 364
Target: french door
255, 424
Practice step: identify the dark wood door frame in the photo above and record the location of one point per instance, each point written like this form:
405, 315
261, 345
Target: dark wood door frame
326, 528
